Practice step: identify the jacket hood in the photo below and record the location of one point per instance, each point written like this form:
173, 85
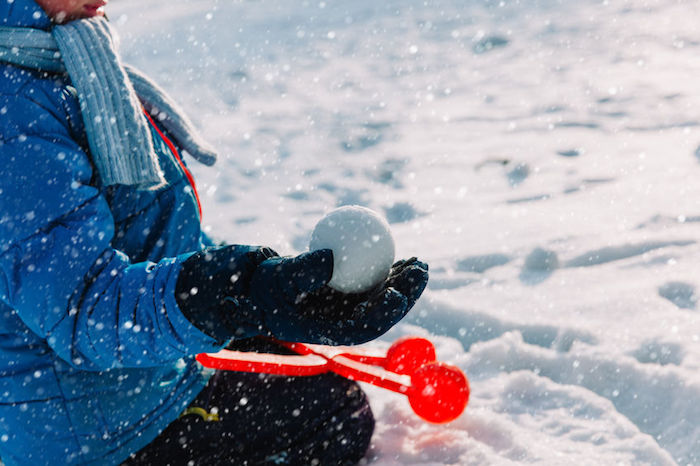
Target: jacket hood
23, 13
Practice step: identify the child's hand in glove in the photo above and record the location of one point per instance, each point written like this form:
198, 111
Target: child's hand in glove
244, 291
296, 304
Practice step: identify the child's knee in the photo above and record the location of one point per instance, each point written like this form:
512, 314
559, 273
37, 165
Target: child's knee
358, 430
359, 413
351, 427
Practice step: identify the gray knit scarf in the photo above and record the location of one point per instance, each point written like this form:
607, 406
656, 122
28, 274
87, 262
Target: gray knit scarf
108, 92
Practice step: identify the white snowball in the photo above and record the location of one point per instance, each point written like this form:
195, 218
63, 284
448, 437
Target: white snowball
363, 248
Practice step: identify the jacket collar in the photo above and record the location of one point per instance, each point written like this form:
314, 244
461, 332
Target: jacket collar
23, 13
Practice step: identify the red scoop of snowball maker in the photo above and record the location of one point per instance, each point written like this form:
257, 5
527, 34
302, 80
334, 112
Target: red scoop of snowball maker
437, 392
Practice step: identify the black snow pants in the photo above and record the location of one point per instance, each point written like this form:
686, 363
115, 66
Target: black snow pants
256, 419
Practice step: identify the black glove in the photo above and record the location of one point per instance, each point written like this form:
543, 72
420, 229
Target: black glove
296, 305
243, 291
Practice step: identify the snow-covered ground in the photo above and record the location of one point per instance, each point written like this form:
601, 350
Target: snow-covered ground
542, 156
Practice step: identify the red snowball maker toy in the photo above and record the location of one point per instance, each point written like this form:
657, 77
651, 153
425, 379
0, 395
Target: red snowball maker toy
437, 392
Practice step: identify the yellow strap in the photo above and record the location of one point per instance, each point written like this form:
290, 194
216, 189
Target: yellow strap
201, 412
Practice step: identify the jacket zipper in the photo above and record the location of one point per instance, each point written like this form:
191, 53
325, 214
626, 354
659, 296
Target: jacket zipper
175, 152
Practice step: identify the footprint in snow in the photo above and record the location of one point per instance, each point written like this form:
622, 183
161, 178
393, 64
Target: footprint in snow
401, 212
361, 137
569, 152
539, 266
679, 293
518, 174
656, 352
389, 172
483, 44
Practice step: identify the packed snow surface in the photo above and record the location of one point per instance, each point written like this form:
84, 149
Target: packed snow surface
542, 156
362, 245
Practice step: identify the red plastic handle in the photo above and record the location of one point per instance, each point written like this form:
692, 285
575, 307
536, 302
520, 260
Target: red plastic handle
436, 391
264, 363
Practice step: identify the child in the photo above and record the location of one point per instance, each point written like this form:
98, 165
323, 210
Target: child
108, 287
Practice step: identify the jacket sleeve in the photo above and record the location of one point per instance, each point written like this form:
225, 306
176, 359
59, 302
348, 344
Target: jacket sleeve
95, 308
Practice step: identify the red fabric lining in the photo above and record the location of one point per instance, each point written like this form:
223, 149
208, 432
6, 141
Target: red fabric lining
173, 149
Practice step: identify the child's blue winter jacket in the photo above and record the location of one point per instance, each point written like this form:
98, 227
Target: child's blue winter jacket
95, 356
